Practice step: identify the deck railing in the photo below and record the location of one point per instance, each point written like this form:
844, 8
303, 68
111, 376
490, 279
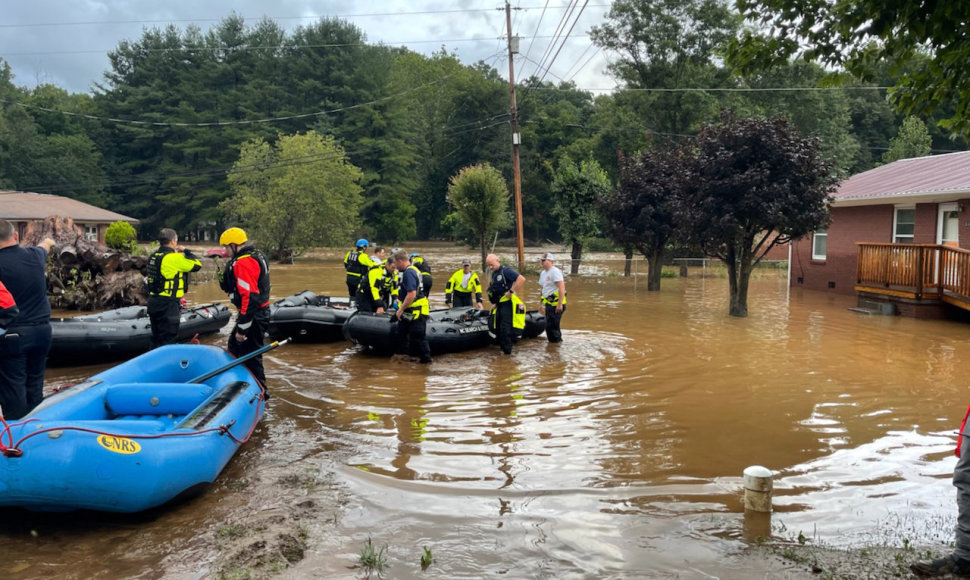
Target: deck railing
926, 270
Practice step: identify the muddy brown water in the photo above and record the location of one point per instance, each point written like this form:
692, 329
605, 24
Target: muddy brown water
616, 454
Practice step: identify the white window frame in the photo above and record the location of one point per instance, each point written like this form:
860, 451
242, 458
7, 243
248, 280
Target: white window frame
824, 235
91, 232
896, 235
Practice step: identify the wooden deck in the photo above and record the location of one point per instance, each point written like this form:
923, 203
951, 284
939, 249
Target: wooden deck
915, 272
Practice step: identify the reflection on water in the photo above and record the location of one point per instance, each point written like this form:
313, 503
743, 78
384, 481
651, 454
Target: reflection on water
619, 451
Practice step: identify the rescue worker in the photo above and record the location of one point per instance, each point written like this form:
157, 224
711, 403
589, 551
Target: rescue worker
166, 283
425, 269
462, 285
956, 563
356, 262
368, 297
508, 311
412, 316
390, 284
552, 286
246, 280
24, 346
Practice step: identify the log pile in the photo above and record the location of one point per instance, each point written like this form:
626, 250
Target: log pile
84, 274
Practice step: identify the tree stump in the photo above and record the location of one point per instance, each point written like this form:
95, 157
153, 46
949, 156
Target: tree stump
84, 274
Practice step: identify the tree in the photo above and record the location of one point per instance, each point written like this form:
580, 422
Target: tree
752, 184
301, 191
671, 45
640, 212
480, 197
856, 34
578, 190
913, 140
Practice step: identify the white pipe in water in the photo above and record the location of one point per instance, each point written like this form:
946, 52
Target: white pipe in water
757, 488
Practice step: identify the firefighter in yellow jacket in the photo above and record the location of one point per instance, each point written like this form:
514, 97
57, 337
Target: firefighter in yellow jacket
462, 286
166, 283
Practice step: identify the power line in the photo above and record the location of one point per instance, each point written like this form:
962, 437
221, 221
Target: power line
541, 16
555, 35
229, 123
713, 89
555, 56
296, 161
260, 47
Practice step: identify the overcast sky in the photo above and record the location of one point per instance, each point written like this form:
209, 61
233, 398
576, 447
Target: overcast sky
65, 42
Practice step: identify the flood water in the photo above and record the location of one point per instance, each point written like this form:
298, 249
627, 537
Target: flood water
615, 454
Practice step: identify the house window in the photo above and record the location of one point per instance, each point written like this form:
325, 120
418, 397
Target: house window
91, 233
820, 241
904, 224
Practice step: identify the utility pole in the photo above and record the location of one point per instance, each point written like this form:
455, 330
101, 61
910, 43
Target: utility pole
516, 176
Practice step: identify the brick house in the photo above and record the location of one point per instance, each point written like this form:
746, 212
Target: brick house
21, 208
923, 200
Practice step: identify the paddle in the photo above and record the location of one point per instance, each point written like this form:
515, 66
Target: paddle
240, 360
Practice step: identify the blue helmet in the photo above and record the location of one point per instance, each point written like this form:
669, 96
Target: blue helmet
362, 243
413, 255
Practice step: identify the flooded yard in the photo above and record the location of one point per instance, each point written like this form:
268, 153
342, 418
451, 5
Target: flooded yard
615, 454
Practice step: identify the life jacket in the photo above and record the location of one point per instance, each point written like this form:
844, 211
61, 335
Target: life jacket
370, 286
258, 297
154, 281
353, 264
518, 316
157, 284
420, 304
499, 285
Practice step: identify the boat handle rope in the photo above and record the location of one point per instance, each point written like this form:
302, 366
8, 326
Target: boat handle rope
14, 450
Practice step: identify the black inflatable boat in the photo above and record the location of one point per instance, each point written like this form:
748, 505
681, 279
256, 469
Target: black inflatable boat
306, 317
123, 332
449, 330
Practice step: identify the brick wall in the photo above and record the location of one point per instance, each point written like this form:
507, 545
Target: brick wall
873, 223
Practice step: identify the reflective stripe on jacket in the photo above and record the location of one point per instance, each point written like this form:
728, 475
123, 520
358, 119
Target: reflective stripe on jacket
167, 271
454, 285
356, 263
246, 277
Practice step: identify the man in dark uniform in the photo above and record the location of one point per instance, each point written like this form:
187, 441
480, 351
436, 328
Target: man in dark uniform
412, 316
506, 282
246, 280
24, 347
167, 282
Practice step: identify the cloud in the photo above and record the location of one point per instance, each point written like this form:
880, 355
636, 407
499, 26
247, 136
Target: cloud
66, 43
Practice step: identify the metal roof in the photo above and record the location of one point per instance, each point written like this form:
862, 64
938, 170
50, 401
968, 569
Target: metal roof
22, 205
924, 179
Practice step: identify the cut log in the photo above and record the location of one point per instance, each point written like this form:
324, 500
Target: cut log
83, 274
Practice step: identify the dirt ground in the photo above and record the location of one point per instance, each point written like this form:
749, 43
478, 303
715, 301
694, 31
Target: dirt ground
271, 538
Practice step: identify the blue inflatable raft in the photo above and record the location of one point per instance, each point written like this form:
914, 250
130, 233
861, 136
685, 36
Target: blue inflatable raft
151, 430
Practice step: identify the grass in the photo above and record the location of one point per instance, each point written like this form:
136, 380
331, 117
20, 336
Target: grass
232, 531
886, 554
426, 559
372, 560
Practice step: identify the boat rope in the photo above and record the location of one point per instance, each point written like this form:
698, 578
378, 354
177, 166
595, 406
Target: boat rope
14, 450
